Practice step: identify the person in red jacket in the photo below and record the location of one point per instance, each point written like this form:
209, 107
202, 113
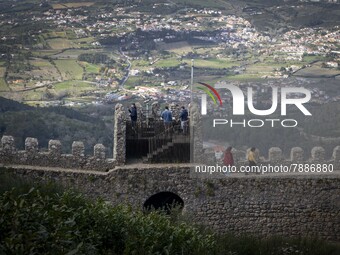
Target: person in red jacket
228, 159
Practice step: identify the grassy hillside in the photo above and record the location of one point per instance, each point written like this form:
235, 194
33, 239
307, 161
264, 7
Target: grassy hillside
60, 123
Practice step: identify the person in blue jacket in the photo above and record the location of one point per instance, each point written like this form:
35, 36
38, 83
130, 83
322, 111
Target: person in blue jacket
167, 119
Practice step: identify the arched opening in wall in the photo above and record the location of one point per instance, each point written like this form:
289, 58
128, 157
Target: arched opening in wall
165, 201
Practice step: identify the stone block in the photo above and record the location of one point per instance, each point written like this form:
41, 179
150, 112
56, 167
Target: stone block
296, 154
78, 149
99, 151
318, 154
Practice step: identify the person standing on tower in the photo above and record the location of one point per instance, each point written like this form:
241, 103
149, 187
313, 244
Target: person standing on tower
183, 116
167, 119
133, 116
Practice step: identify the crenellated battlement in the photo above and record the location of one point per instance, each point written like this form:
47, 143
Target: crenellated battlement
54, 157
261, 205
276, 156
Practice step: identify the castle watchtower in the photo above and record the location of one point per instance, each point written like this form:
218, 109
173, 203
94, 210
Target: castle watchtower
150, 142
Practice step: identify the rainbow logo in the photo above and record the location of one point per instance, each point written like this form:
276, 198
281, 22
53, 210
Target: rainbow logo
208, 89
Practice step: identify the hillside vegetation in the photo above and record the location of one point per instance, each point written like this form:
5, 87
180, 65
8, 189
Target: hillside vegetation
61, 123
37, 218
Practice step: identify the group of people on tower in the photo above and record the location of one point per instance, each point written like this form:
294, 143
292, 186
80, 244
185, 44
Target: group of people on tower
168, 119
166, 116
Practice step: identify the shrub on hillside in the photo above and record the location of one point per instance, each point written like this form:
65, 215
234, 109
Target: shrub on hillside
67, 223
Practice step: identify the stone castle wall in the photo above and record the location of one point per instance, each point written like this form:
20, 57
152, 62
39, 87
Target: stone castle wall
31, 155
289, 204
284, 205
54, 157
275, 156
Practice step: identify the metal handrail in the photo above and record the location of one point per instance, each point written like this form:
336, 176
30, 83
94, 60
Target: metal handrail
158, 141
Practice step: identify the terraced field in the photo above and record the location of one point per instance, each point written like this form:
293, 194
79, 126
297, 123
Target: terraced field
316, 70
69, 69
90, 68
44, 70
61, 43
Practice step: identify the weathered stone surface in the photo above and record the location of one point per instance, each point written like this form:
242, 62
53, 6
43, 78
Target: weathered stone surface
119, 135
31, 145
239, 155
303, 205
140, 115
196, 133
209, 157
155, 110
99, 151
54, 148
54, 158
7, 144
78, 149
275, 154
318, 154
9, 154
336, 154
296, 154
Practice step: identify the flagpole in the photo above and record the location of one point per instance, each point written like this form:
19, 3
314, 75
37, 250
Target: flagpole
192, 77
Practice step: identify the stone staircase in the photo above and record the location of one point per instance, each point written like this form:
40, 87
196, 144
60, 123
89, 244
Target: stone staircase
175, 151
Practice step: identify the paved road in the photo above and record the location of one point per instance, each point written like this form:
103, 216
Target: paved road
126, 77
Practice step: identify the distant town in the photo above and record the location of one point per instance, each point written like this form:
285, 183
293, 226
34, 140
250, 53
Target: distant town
82, 53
